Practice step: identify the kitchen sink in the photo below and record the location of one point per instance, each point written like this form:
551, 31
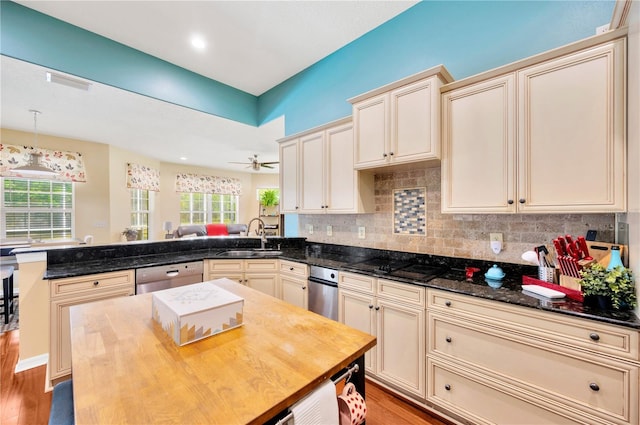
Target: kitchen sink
243, 253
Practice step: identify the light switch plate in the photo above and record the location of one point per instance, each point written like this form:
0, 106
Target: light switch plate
311, 229
329, 230
361, 234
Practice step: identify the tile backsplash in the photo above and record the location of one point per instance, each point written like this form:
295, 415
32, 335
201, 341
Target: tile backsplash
451, 235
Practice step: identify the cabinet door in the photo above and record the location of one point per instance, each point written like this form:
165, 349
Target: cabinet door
289, 176
571, 129
478, 154
60, 333
341, 190
294, 291
265, 283
371, 132
357, 310
401, 353
312, 199
414, 122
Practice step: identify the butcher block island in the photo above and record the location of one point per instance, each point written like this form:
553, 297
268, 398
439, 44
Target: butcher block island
126, 368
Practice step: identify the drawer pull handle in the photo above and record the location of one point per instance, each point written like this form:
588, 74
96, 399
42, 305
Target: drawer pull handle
447, 303
448, 339
447, 387
96, 283
594, 386
594, 336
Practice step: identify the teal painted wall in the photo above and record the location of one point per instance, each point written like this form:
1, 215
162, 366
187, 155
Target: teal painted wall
468, 37
40, 39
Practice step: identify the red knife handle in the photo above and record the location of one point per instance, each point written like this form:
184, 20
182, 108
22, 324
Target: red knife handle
584, 248
559, 250
563, 244
569, 239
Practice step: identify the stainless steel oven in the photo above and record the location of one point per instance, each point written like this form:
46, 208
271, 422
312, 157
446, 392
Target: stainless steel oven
323, 291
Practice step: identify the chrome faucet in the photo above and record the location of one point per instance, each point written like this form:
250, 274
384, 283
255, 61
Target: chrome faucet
260, 232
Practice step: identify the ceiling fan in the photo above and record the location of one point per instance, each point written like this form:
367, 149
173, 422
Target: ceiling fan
255, 164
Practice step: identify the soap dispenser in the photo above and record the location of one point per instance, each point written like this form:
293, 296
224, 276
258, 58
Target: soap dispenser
615, 260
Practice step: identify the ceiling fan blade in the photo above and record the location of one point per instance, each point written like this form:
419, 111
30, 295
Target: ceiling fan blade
243, 163
265, 166
270, 163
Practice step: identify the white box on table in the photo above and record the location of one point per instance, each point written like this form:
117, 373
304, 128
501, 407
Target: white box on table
192, 312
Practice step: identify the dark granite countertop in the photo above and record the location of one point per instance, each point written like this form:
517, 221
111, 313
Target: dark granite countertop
340, 258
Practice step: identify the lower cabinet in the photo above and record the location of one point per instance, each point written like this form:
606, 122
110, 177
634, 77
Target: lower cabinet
486, 360
261, 275
294, 283
395, 313
68, 292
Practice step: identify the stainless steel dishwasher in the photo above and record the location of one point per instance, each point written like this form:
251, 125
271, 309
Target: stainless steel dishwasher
156, 278
323, 291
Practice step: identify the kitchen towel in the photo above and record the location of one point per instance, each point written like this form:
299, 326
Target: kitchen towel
319, 407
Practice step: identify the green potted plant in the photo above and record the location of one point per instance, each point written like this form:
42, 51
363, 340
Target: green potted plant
616, 285
130, 234
270, 197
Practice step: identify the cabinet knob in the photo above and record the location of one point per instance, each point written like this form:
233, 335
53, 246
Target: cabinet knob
96, 283
391, 153
370, 306
447, 387
594, 386
510, 202
521, 200
447, 303
326, 206
321, 206
291, 268
384, 155
594, 336
304, 287
448, 339
297, 207
377, 308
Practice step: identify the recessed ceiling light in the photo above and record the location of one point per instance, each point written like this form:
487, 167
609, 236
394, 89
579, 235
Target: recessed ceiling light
198, 42
183, 158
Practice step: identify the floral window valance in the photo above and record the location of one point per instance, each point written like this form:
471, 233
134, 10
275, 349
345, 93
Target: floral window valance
69, 166
143, 177
191, 183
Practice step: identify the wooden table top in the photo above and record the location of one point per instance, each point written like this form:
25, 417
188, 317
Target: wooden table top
126, 369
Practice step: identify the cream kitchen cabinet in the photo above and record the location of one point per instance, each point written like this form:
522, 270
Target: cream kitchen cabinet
546, 136
293, 283
67, 292
555, 368
261, 275
395, 313
400, 122
289, 177
326, 180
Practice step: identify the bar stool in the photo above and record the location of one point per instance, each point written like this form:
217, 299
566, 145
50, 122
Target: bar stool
7, 291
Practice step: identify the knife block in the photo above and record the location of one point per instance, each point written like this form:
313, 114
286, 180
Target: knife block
570, 282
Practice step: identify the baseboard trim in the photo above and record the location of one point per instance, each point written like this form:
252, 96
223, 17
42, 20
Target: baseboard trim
31, 362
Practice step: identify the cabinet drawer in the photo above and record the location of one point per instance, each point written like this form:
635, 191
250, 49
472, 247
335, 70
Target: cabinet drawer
404, 292
569, 331
357, 282
226, 266
83, 284
482, 401
261, 266
595, 384
291, 268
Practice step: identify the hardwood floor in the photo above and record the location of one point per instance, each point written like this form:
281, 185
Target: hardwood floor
22, 397
24, 402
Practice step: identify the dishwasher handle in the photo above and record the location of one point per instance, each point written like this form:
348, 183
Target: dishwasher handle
173, 273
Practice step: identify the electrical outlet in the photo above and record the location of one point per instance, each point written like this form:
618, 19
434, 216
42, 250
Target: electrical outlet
495, 237
361, 233
311, 229
329, 230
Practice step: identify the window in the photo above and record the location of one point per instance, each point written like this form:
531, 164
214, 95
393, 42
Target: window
140, 212
36, 209
202, 208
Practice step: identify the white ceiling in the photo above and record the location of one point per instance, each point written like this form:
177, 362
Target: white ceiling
251, 45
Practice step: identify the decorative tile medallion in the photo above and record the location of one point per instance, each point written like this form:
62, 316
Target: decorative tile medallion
409, 211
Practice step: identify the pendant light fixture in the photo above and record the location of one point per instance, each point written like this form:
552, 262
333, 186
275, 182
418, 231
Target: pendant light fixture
34, 167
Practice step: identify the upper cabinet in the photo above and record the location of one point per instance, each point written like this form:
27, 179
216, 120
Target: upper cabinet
326, 181
289, 202
547, 137
400, 122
